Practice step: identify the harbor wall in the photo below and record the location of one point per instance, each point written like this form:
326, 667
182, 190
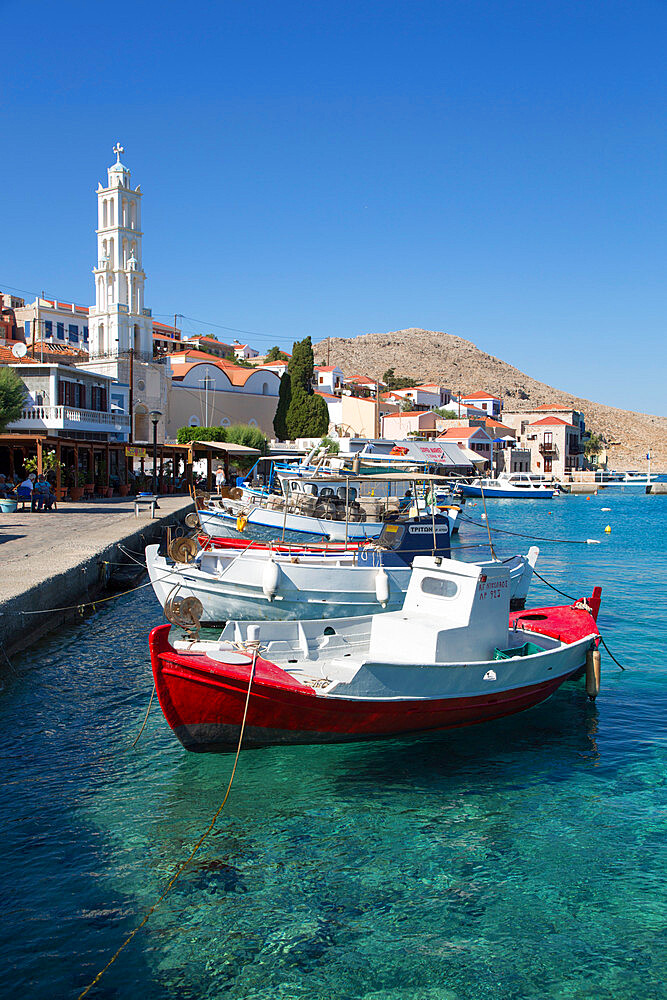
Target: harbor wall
74, 572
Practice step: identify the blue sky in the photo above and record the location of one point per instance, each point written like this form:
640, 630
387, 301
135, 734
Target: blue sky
494, 170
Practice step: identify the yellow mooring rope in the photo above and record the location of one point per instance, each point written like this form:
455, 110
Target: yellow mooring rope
201, 840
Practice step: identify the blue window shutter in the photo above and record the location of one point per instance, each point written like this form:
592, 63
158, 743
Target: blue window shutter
60, 331
48, 328
27, 328
74, 333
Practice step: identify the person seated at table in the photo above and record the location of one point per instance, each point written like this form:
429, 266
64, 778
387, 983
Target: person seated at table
24, 490
6, 491
42, 496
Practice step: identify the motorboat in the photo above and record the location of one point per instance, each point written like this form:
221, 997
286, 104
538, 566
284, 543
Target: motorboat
450, 657
339, 508
233, 578
518, 485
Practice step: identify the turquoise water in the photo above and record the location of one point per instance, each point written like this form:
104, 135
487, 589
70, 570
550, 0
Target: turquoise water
526, 859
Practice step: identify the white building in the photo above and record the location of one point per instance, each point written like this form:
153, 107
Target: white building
121, 327
328, 378
244, 352
54, 322
422, 397
63, 401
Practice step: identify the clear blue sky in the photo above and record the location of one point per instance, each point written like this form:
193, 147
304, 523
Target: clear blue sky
495, 170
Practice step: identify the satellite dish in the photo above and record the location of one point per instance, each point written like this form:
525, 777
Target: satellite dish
19, 350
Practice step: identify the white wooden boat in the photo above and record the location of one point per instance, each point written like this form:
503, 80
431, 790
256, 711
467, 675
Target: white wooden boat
448, 658
288, 583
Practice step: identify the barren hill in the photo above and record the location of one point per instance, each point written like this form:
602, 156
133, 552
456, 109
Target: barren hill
456, 363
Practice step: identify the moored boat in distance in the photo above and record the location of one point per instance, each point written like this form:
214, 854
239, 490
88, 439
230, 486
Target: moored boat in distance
448, 658
510, 485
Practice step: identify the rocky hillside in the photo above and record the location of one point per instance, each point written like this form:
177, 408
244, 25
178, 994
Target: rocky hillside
456, 363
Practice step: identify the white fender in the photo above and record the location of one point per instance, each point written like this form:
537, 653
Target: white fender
270, 579
382, 587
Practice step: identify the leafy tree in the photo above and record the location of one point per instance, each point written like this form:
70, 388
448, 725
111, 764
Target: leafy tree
447, 414
331, 446
12, 397
393, 381
407, 405
284, 399
275, 354
593, 446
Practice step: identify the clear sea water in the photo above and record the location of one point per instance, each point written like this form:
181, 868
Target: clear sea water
526, 859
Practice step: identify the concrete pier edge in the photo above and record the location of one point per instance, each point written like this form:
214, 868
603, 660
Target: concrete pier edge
78, 583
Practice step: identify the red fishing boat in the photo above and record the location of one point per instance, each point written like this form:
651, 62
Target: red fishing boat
452, 656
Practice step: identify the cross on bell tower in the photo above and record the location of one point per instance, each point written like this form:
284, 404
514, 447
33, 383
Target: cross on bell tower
119, 322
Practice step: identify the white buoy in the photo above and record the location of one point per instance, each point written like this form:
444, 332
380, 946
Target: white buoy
593, 661
270, 578
592, 541
605, 508
382, 587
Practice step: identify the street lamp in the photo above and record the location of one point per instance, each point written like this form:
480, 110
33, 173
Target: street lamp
155, 417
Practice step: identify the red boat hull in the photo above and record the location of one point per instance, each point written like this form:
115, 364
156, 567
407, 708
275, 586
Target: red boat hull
203, 700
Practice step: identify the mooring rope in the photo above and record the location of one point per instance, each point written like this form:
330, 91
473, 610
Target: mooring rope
146, 717
201, 840
570, 598
520, 534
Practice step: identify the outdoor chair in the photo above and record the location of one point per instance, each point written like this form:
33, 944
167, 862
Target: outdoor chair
24, 495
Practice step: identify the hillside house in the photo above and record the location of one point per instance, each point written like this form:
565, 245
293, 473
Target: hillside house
491, 405
553, 435
409, 423
476, 439
328, 378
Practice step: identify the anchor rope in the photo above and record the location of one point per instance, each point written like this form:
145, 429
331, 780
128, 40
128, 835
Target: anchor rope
199, 843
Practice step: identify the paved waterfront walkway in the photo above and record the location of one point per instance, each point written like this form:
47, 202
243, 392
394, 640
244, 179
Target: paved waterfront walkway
40, 553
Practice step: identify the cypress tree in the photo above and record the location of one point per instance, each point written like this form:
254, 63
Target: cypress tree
284, 398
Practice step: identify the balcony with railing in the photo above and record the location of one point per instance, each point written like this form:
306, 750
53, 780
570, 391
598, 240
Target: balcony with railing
70, 418
549, 448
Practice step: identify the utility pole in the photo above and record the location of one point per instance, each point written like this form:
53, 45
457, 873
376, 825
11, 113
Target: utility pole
377, 409
131, 353
328, 350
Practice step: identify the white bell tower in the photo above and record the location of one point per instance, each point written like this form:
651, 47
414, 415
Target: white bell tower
120, 327
118, 321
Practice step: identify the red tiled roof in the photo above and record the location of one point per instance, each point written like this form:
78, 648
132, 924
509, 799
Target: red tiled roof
326, 368
50, 356
553, 406
165, 326
479, 395
489, 422
182, 362
460, 432
410, 413
551, 420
